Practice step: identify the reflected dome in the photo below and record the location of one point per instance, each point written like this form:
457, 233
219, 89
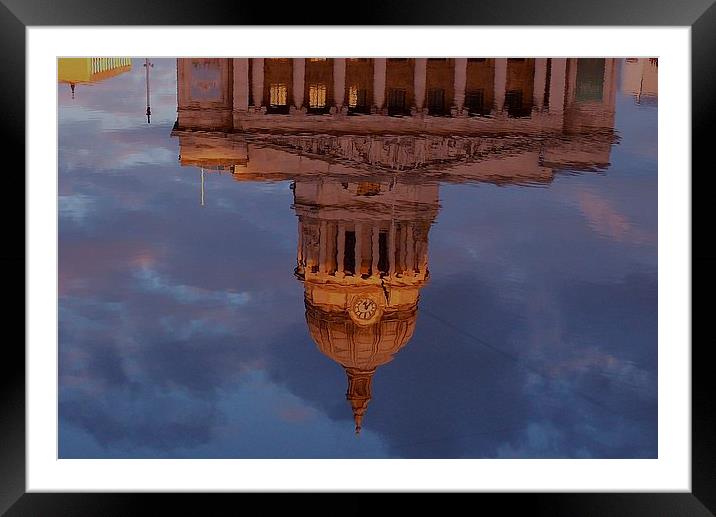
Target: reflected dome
363, 347
360, 348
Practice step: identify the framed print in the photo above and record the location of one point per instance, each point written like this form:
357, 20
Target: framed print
449, 256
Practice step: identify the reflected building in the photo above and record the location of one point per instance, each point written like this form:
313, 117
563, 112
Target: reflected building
454, 118
366, 144
418, 94
74, 71
640, 78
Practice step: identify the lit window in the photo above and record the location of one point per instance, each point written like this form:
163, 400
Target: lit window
353, 96
314, 59
357, 99
278, 95
368, 189
317, 96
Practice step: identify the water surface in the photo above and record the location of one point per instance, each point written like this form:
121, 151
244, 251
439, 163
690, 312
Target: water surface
477, 286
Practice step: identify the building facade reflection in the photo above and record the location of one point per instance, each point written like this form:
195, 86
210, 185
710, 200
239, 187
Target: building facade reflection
366, 143
640, 78
245, 94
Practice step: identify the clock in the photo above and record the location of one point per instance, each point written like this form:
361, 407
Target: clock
364, 309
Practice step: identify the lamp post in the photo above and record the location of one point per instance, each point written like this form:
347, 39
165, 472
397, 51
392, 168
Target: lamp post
147, 66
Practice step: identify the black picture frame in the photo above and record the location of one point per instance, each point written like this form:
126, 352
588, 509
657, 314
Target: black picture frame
16, 15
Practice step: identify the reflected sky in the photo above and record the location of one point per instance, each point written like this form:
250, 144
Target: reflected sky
183, 330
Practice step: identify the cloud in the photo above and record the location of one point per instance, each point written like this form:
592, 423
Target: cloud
151, 281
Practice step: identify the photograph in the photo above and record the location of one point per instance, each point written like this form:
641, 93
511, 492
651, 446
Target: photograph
357, 257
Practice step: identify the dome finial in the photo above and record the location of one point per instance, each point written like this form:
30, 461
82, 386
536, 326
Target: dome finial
359, 393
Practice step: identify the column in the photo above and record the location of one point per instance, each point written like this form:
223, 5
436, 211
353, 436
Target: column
309, 249
375, 247
570, 91
410, 250
358, 250
460, 82
401, 265
500, 83
299, 251
540, 81
391, 249
379, 82
423, 257
419, 78
557, 81
339, 82
299, 80
340, 250
257, 81
241, 84
608, 86
322, 237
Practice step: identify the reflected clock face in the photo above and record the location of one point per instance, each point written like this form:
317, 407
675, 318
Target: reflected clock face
364, 308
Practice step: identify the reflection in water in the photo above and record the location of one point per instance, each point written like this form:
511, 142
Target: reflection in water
640, 79
490, 224
363, 257
74, 71
365, 173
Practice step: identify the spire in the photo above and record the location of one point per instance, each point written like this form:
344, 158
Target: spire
359, 393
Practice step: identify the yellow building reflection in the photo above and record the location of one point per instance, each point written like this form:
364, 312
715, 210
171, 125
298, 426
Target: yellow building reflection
75, 71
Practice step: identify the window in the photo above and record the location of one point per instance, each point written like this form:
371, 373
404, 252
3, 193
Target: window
315, 59
278, 95
515, 106
397, 59
349, 254
368, 189
357, 99
475, 102
278, 101
352, 96
383, 252
590, 79
317, 96
396, 101
476, 60
436, 101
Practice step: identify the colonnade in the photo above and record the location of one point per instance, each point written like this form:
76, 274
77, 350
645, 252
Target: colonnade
367, 250
549, 79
